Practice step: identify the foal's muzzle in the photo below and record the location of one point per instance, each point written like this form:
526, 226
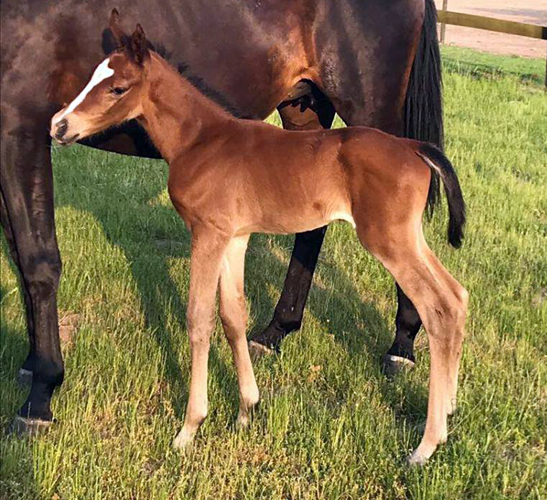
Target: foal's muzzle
59, 132
60, 129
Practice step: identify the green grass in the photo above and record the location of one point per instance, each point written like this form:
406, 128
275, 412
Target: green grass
330, 425
485, 64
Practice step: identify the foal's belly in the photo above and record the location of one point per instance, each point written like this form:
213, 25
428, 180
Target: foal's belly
296, 222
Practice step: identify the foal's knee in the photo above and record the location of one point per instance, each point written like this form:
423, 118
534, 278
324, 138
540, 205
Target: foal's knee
199, 324
233, 315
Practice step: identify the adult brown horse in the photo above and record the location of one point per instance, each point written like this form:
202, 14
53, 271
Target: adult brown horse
375, 62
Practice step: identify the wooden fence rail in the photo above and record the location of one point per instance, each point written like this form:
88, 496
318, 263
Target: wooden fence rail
491, 24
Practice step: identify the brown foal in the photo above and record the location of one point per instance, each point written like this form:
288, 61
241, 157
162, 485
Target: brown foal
228, 179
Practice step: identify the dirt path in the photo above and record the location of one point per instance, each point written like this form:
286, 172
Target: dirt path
528, 11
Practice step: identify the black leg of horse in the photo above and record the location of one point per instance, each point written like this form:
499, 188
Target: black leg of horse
27, 218
408, 324
25, 372
290, 308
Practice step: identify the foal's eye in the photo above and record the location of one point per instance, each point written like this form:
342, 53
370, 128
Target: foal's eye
118, 90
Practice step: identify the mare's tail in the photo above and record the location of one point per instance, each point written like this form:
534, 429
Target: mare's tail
441, 167
423, 110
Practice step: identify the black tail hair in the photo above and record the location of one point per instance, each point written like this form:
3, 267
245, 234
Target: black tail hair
423, 108
441, 167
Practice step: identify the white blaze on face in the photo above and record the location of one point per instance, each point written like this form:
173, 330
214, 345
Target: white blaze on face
102, 72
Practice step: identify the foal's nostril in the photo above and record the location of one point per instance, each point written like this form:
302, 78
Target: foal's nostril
62, 127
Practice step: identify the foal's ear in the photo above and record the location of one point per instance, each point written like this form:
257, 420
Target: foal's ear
138, 46
114, 37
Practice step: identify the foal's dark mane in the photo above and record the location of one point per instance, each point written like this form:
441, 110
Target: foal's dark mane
199, 83
110, 45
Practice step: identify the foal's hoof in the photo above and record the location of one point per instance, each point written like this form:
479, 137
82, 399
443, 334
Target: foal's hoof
243, 421
21, 426
418, 458
257, 350
395, 364
183, 441
24, 377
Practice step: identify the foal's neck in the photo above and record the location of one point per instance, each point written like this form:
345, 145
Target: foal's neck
176, 115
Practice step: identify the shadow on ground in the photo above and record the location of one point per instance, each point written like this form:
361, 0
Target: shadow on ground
17, 480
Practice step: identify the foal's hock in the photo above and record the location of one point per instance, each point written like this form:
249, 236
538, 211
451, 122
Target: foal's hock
229, 178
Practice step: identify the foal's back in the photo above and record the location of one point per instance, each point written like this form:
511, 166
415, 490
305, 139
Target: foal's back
265, 179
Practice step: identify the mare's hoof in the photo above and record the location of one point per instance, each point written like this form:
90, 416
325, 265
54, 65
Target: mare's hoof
24, 377
257, 350
22, 426
395, 364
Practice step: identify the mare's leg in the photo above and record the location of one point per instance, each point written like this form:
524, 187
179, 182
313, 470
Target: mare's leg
442, 304
25, 372
233, 314
370, 90
26, 190
407, 325
290, 308
208, 247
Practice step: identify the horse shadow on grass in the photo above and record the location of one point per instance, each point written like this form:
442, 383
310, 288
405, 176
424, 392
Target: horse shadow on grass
172, 241
16, 456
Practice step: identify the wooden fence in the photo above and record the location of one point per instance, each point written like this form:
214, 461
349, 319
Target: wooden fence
490, 24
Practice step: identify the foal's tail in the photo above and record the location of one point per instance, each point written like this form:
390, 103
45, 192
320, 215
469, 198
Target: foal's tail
441, 167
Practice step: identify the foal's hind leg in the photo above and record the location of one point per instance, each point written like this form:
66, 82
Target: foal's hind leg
233, 314
208, 248
444, 320
456, 350
442, 304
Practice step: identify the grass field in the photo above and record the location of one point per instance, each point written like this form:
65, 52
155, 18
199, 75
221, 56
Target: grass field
330, 424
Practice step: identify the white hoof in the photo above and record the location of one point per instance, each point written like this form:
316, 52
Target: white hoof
184, 440
395, 364
28, 426
257, 350
243, 420
422, 454
418, 458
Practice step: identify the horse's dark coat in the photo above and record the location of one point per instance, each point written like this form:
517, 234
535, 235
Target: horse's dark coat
357, 54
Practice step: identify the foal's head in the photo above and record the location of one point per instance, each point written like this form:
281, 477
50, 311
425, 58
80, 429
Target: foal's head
112, 96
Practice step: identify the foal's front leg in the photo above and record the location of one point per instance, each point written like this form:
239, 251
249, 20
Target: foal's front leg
208, 247
233, 314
